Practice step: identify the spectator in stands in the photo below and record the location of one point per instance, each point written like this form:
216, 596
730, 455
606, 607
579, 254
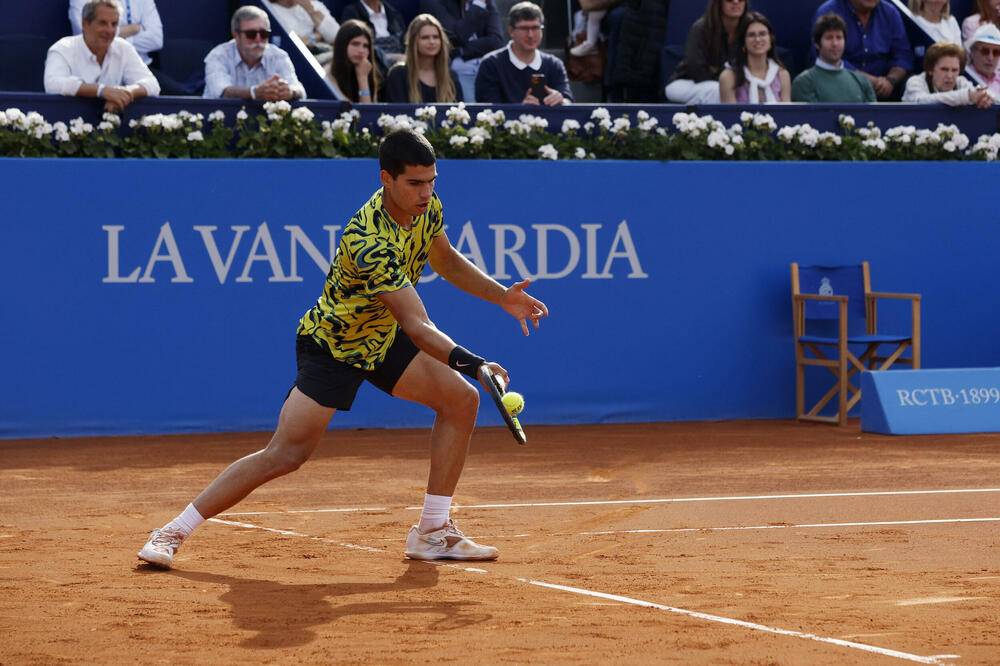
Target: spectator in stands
353, 68
984, 55
711, 43
942, 81
425, 77
474, 29
505, 75
934, 16
756, 75
311, 21
829, 80
987, 11
247, 66
96, 63
877, 44
387, 25
592, 33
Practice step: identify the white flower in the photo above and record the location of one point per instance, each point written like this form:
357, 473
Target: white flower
458, 140
195, 136
105, 126
570, 125
533, 122
621, 125
950, 146
600, 113
479, 135
642, 116
605, 124
61, 133
491, 118
764, 121
580, 154
339, 125
217, 116
458, 114
43, 130
588, 127
846, 121
302, 114
242, 114
281, 107
172, 122
112, 118
746, 117
548, 152
647, 124
426, 112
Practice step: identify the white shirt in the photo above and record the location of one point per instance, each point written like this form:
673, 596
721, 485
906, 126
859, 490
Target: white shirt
535, 64
224, 67
379, 19
296, 19
942, 31
70, 63
140, 12
918, 92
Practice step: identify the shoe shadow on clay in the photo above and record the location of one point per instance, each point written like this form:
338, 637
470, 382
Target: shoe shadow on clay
285, 615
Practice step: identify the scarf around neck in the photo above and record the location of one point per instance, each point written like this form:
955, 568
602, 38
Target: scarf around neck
756, 84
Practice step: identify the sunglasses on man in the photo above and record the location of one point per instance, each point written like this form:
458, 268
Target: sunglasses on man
254, 34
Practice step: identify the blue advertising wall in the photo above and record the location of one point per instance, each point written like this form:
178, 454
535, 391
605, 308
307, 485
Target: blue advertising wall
163, 296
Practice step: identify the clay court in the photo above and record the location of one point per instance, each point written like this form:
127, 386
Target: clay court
748, 542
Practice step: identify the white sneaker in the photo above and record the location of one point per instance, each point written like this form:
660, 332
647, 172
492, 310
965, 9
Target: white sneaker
160, 548
447, 543
584, 49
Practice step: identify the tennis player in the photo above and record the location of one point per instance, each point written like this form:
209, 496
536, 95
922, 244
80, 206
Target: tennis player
370, 324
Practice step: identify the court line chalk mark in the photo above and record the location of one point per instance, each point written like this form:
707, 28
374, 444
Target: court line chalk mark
670, 500
935, 659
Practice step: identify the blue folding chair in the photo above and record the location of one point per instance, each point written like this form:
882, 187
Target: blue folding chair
841, 309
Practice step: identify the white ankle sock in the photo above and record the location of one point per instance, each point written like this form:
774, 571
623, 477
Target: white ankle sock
435, 513
187, 521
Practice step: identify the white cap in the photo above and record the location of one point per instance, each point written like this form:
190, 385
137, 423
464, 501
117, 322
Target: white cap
986, 33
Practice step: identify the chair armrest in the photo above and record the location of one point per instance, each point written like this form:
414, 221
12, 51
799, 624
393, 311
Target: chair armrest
883, 294
818, 297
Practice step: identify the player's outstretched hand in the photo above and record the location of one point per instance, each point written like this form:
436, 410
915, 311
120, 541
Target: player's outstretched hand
517, 303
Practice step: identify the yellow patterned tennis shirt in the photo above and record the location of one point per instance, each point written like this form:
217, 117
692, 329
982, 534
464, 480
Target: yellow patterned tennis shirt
375, 256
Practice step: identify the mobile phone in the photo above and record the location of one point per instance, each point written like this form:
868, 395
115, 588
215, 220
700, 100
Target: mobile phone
538, 86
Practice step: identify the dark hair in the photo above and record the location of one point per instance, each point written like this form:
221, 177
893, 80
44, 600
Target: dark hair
525, 11
341, 67
718, 52
940, 50
402, 148
825, 24
740, 61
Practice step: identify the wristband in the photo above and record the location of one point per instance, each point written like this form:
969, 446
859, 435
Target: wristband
100, 89
464, 361
364, 92
253, 93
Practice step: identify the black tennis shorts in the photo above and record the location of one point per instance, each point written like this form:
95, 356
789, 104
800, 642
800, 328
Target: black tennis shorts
334, 384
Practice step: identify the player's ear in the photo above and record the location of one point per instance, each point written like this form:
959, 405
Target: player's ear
386, 178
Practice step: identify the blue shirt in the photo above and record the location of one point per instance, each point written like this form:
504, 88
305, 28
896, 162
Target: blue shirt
877, 47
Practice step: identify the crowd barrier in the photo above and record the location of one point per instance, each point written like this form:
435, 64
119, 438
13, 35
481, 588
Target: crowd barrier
163, 296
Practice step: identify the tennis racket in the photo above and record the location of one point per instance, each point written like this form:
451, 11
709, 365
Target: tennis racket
495, 385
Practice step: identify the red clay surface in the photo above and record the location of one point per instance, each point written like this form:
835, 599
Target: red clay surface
305, 581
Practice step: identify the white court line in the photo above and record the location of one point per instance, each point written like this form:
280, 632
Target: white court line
935, 659
747, 625
641, 501
734, 528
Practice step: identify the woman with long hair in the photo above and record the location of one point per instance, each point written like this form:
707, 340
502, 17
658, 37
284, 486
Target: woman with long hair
942, 82
353, 68
987, 11
711, 43
756, 74
425, 76
935, 17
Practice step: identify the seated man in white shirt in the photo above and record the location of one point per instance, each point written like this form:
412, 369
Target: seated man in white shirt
311, 21
247, 66
98, 64
140, 26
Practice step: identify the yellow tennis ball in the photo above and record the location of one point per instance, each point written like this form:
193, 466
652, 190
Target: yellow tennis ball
514, 402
